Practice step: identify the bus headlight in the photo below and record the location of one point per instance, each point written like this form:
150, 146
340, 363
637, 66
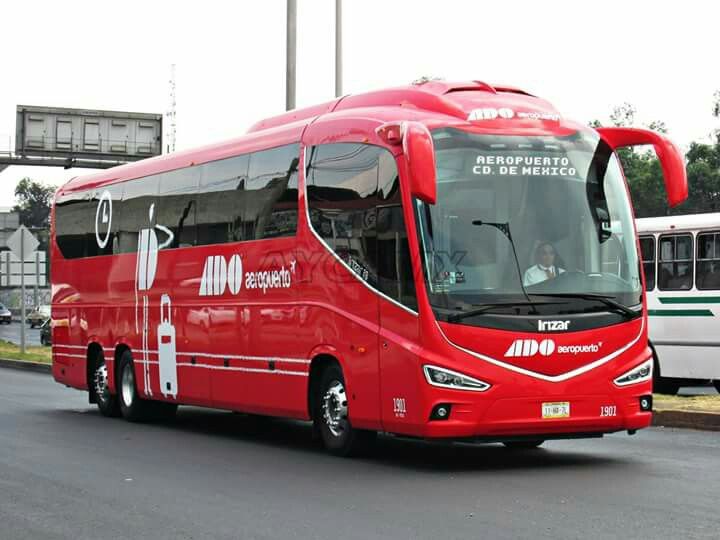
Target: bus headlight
641, 373
446, 378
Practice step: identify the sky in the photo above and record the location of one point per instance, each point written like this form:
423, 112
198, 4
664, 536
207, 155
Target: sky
584, 57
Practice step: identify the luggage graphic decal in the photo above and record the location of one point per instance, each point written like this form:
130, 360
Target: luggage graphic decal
166, 350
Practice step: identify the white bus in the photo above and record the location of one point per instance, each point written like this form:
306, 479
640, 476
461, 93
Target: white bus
681, 260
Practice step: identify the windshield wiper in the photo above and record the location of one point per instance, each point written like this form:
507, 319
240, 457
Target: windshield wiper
607, 300
504, 228
457, 317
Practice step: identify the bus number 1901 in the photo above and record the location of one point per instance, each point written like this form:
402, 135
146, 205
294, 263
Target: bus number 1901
608, 410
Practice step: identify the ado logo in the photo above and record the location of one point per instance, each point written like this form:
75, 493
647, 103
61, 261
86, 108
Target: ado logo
530, 347
219, 274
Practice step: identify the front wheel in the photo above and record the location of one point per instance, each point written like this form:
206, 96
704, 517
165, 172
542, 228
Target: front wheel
331, 416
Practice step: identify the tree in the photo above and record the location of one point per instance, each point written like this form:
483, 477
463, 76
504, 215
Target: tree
33, 203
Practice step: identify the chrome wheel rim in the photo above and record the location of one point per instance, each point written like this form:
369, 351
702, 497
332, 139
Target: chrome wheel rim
128, 385
334, 408
100, 383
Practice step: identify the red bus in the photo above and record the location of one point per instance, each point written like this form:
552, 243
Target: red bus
442, 261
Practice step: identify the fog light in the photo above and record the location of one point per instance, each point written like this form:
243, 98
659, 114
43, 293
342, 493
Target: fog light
441, 411
646, 403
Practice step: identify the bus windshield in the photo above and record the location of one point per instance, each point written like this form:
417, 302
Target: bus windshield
527, 225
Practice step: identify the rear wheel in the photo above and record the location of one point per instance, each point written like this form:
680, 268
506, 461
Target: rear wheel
107, 403
132, 406
331, 416
523, 445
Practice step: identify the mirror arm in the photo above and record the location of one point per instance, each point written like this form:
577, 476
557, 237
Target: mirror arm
670, 156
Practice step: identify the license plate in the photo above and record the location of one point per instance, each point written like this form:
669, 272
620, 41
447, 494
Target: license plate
556, 410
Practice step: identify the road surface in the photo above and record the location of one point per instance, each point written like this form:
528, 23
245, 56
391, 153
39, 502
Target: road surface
67, 472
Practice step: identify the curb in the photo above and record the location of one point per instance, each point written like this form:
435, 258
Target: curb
706, 421
37, 367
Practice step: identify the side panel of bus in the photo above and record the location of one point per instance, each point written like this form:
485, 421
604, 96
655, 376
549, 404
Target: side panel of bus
682, 271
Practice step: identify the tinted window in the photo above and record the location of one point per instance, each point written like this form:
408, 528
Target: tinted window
138, 211
177, 205
394, 265
271, 194
355, 206
211, 203
78, 215
221, 200
675, 262
342, 185
707, 267
647, 248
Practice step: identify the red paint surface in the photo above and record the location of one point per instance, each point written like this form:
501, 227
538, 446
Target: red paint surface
252, 351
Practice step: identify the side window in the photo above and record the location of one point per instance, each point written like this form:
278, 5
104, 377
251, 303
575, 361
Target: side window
647, 250
394, 265
271, 194
675, 262
221, 200
177, 205
139, 196
707, 267
73, 218
342, 185
86, 223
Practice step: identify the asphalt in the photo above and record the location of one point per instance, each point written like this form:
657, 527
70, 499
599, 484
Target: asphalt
11, 332
67, 472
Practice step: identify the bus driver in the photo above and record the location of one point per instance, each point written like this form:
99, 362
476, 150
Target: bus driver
544, 268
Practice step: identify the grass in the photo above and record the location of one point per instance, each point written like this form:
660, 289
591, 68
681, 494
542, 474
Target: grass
709, 403
32, 353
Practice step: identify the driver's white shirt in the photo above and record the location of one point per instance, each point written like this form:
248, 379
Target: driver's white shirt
538, 273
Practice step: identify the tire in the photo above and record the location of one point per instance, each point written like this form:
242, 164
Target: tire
331, 417
106, 402
132, 406
523, 445
662, 385
716, 384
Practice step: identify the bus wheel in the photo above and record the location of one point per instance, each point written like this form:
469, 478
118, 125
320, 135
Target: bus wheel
662, 385
522, 445
331, 416
716, 384
132, 406
107, 403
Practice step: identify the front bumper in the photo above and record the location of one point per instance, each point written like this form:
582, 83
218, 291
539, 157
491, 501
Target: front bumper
484, 418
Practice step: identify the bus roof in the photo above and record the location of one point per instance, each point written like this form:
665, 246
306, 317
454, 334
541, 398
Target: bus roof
688, 222
435, 103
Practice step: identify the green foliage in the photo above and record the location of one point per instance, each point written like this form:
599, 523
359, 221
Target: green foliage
33, 203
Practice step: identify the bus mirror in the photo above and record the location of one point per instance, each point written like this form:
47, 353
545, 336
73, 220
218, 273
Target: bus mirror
420, 156
671, 159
